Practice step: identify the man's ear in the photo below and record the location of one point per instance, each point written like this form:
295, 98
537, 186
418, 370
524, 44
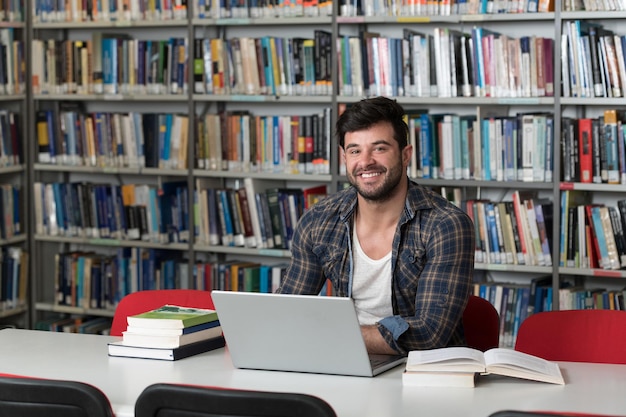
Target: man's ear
406, 155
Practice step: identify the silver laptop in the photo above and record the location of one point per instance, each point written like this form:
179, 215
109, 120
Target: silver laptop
300, 333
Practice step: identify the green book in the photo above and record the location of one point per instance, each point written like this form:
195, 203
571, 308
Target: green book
172, 317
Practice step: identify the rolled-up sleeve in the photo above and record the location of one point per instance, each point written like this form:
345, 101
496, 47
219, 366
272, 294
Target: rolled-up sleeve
443, 287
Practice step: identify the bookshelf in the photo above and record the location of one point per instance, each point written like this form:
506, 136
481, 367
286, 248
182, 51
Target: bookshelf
14, 229
230, 97
61, 178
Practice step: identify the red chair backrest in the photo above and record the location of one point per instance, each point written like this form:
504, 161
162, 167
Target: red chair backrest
142, 301
481, 323
575, 336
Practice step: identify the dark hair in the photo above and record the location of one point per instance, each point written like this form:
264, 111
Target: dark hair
368, 112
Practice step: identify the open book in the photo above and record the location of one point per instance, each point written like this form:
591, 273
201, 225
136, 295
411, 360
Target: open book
457, 366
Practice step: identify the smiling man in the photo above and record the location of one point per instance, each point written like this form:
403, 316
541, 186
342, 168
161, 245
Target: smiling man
402, 252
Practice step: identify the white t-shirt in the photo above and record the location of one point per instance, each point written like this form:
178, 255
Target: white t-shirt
371, 285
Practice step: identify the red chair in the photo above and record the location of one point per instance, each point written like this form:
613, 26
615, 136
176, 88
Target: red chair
575, 336
142, 301
481, 323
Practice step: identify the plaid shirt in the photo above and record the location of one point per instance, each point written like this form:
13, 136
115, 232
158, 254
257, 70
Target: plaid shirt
432, 265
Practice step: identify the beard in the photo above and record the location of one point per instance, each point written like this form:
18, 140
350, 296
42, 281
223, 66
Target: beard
384, 190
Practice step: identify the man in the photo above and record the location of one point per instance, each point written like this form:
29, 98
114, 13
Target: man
402, 252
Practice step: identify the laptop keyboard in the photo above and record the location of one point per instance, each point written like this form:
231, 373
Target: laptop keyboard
379, 360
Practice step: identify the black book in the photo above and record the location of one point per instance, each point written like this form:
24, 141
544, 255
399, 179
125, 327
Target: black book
596, 158
86, 209
237, 222
433, 67
273, 205
168, 354
367, 60
76, 205
572, 236
457, 59
596, 74
618, 232
467, 66
144, 230
150, 127
516, 232
265, 219
537, 295
132, 219
566, 148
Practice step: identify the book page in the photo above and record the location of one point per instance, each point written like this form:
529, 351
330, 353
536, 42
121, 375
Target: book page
521, 365
456, 359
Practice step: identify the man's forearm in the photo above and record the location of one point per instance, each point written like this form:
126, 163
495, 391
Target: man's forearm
375, 342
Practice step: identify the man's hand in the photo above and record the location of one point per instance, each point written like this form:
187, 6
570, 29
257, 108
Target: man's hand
375, 342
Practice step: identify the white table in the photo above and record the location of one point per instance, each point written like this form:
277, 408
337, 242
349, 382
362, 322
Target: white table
592, 388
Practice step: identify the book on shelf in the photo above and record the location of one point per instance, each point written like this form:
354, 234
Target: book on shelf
618, 232
569, 198
507, 233
535, 238
312, 195
261, 223
132, 337
225, 219
168, 354
573, 223
463, 363
244, 208
585, 150
613, 255
523, 227
599, 237
609, 147
172, 317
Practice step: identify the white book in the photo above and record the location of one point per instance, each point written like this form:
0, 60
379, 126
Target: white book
528, 148
251, 191
143, 339
447, 148
497, 361
620, 62
356, 67
129, 142
539, 156
51, 211
175, 142
40, 209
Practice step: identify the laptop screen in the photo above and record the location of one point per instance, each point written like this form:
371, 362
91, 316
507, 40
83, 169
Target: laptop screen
300, 333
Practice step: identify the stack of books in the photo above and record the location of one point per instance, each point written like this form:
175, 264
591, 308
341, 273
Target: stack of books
169, 333
460, 366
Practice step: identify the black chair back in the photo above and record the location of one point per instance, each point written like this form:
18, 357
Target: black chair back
32, 397
171, 400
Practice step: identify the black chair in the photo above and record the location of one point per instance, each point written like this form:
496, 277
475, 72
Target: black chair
172, 400
519, 413
32, 397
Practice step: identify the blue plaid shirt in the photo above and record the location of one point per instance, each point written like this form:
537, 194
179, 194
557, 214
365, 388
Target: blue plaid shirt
432, 265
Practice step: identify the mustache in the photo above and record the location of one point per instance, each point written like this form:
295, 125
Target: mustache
373, 168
